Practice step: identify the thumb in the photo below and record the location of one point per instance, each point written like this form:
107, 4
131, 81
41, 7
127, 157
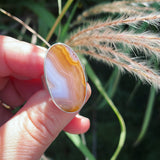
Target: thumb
28, 134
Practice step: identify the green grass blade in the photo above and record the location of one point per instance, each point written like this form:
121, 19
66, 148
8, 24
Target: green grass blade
59, 26
66, 26
45, 18
41, 12
147, 116
110, 87
64, 10
113, 82
100, 88
132, 94
59, 6
78, 143
42, 28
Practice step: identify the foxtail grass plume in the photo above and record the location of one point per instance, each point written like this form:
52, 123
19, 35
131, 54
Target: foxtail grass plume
108, 40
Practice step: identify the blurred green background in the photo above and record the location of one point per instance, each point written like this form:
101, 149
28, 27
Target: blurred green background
130, 95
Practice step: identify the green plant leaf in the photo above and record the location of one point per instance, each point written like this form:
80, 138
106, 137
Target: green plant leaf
147, 116
42, 28
58, 20
101, 90
78, 143
45, 15
66, 26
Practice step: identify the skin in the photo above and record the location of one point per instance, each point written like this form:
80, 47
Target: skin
27, 134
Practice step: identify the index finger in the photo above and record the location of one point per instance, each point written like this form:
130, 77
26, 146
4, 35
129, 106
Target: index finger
20, 59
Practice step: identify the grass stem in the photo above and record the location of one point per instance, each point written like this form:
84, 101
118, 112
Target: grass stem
147, 116
100, 88
65, 8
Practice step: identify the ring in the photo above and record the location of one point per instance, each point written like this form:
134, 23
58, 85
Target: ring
5, 105
65, 78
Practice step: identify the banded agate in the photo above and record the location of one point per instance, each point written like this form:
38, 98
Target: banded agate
65, 78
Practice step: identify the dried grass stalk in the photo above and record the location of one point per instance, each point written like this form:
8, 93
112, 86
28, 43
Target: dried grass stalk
122, 7
101, 40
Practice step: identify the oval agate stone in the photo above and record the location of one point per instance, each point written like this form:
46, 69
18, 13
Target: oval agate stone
65, 78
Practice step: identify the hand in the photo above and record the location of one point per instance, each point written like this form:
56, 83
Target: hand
28, 133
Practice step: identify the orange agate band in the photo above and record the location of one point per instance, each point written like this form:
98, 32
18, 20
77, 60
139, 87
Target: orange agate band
65, 78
